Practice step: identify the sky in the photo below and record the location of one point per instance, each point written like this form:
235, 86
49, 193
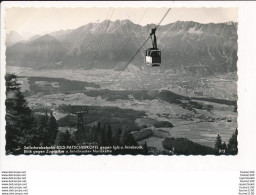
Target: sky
45, 20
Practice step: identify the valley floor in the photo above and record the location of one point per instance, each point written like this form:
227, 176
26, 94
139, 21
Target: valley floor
198, 125
223, 86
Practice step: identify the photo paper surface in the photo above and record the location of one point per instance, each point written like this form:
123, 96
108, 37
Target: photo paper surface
121, 80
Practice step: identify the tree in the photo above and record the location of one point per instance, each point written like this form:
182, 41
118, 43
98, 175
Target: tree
41, 137
44, 130
101, 136
94, 134
98, 127
64, 139
47, 131
80, 135
235, 108
223, 145
145, 148
108, 139
117, 137
11, 83
19, 118
127, 139
218, 143
52, 129
232, 144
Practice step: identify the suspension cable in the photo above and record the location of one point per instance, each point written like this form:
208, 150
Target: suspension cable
138, 49
120, 54
163, 17
100, 41
101, 34
101, 38
129, 61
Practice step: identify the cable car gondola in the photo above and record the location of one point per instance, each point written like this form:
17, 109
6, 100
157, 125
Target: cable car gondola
153, 55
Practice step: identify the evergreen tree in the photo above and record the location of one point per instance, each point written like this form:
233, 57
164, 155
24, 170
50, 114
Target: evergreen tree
11, 83
42, 136
80, 135
98, 127
19, 118
44, 129
52, 129
64, 139
44, 119
145, 148
101, 137
37, 139
235, 108
108, 139
117, 137
94, 134
232, 144
127, 139
218, 144
47, 131
223, 145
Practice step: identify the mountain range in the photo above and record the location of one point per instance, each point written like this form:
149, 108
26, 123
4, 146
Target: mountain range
12, 38
196, 47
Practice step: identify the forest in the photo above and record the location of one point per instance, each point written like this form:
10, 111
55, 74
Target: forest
26, 127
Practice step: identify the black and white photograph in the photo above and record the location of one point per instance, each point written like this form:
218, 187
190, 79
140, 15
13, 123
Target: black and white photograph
127, 97
110, 81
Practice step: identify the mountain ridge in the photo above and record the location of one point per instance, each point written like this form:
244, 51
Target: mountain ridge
208, 48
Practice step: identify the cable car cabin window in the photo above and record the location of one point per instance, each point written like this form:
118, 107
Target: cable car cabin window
155, 53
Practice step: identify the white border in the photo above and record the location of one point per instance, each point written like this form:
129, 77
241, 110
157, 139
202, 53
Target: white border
245, 160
